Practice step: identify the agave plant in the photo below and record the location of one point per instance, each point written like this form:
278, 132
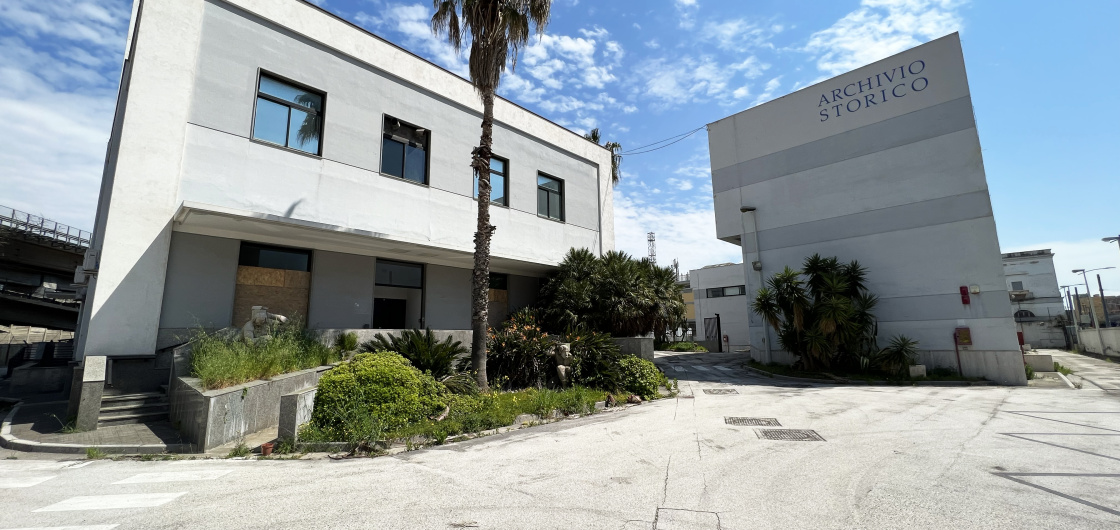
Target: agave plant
421, 349
898, 355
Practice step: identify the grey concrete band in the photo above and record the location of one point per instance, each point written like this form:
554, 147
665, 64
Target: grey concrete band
944, 210
938, 120
988, 304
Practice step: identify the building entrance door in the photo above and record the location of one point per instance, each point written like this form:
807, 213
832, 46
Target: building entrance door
712, 332
389, 313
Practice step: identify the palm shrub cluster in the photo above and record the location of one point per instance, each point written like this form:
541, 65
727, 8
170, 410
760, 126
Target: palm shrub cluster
614, 294
823, 315
520, 354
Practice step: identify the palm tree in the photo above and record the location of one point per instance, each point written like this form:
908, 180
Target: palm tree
497, 30
613, 147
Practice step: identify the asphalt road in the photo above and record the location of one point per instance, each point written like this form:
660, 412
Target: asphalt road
889, 457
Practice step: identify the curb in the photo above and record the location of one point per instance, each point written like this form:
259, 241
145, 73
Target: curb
10, 441
866, 383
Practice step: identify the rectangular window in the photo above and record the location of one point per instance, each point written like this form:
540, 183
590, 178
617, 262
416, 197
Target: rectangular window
719, 292
292, 259
288, 115
404, 150
1016, 286
499, 182
397, 274
499, 281
550, 197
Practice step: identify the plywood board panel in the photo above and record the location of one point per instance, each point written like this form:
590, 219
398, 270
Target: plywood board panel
260, 276
297, 279
278, 300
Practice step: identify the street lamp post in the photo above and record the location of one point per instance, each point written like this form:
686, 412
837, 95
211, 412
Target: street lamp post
1112, 240
757, 266
1093, 313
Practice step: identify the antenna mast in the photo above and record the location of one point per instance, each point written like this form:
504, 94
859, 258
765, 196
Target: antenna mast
652, 239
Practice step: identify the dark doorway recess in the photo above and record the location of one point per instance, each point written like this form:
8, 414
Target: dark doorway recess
388, 313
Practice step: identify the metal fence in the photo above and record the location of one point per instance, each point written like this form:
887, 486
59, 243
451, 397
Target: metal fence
42, 228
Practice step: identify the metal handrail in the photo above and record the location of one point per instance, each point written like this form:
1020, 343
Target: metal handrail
33, 224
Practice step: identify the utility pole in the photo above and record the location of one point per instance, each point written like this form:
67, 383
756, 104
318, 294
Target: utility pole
652, 240
1104, 306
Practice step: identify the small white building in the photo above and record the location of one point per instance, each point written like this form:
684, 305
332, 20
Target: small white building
721, 306
1039, 309
270, 153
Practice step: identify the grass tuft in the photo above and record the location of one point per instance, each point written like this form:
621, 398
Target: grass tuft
222, 361
94, 453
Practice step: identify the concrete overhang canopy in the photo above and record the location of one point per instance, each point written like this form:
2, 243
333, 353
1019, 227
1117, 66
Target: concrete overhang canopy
219, 221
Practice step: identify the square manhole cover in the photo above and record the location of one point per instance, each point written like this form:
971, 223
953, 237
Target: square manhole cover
720, 391
789, 435
754, 422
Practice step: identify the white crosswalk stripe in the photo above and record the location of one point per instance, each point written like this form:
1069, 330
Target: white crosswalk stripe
40, 465
112, 502
706, 369
175, 476
95, 527
726, 369
23, 482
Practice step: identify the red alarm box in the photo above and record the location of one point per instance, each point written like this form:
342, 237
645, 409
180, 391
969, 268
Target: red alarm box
965, 299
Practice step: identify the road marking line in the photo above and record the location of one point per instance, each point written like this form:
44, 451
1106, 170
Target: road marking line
724, 368
23, 482
174, 476
39, 465
112, 502
95, 527
702, 368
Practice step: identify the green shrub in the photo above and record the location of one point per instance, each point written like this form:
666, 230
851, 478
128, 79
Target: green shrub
374, 391
421, 349
1030, 371
685, 346
641, 377
595, 360
225, 360
898, 355
520, 354
346, 342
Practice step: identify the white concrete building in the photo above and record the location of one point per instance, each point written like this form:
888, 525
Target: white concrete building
721, 305
1035, 297
266, 152
881, 165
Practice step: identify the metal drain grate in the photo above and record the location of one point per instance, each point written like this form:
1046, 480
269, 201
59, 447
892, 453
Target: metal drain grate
720, 391
789, 435
754, 422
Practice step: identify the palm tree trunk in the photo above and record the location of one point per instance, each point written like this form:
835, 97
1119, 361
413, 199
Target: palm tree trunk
480, 280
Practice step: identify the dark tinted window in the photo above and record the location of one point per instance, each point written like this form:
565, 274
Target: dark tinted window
499, 182
550, 198
292, 259
499, 281
404, 150
397, 274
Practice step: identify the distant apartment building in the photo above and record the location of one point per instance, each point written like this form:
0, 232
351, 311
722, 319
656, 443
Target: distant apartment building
1109, 312
273, 154
1032, 284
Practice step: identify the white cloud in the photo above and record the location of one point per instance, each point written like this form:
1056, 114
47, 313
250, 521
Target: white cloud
686, 233
880, 28
58, 80
1084, 254
751, 67
652, 44
686, 80
768, 91
413, 22
738, 34
686, 13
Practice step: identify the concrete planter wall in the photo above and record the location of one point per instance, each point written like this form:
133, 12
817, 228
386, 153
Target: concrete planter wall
209, 418
328, 336
636, 346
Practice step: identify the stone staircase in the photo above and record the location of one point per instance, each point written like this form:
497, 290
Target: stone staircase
142, 407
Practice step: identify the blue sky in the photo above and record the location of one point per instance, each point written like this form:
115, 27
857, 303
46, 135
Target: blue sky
1043, 83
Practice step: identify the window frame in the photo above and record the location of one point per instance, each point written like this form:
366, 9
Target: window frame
721, 292
423, 275
404, 167
563, 207
258, 95
1020, 288
294, 250
505, 190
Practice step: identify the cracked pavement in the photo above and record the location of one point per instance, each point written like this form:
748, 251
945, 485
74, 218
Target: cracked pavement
892, 457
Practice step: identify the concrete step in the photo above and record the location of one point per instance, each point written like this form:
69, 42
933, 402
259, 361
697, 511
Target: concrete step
123, 400
136, 417
131, 409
